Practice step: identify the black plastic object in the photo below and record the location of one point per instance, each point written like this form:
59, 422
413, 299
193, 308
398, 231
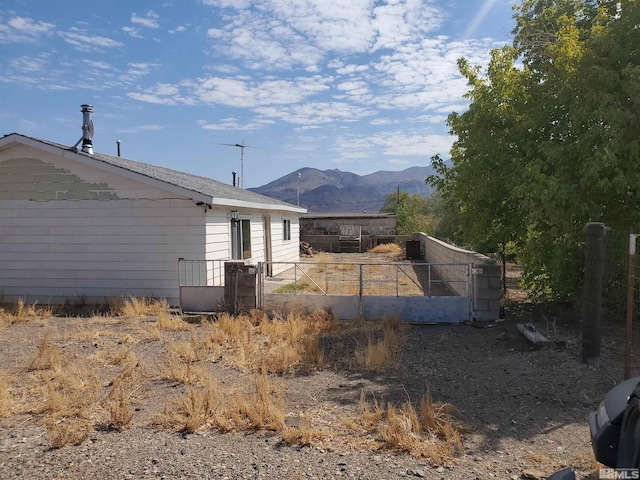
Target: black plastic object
629, 446
566, 474
413, 249
606, 422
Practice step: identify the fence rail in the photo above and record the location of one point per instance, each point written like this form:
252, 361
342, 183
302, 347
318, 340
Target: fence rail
377, 279
201, 273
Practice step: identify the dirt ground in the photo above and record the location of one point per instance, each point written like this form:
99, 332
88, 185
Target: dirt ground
523, 409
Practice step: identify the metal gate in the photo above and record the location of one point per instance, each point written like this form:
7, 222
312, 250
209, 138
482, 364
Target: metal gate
416, 292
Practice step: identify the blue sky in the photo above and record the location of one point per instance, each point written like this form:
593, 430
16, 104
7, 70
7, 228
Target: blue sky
357, 85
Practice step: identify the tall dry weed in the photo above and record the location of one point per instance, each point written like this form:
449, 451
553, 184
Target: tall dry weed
73, 394
5, 395
48, 356
68, 431
379, 354
370, 414
439, 419
262, 405
199, 406
257, 407
119, 400
171, 323
73, 391
140, 307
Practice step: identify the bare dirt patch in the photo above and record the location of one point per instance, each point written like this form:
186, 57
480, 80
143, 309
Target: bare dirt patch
151, 396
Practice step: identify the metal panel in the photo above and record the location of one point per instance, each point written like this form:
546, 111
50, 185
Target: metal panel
201, 299
417, 309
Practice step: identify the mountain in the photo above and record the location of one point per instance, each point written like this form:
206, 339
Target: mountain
337, 191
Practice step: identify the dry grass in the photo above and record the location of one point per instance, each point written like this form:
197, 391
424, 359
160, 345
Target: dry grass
379, 354
391, 249
68, 431
93, 372
171, 323
140, 307
22, 312
72, 395
432, 432
47, 357
322, 257
119, 400
5, 395
258, 407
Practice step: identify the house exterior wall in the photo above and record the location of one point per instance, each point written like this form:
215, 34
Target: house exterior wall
285, 250
218, 228
69, 231
73, 231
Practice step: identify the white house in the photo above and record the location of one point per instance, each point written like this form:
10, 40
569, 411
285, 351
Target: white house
77, 224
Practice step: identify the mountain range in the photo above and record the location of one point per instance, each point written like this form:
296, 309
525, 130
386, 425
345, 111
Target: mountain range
338, 191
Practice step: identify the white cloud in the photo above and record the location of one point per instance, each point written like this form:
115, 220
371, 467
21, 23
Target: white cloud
398, 162
178, 29
429, 119
85, 42
382, 121
239, 92
148, 21
162, 94
95, 64
392, 144
134, 32
280, 34
238, 4
316, 113
232, 123
28, 64
21, 29
141, 128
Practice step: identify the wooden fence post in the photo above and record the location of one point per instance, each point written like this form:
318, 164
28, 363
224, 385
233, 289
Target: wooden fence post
595, 251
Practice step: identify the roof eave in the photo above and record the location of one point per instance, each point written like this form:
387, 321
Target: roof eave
228, 202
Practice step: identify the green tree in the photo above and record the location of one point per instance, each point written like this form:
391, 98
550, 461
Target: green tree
411, 211
550, 139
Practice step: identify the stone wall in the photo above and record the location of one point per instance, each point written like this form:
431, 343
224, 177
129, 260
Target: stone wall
486, 275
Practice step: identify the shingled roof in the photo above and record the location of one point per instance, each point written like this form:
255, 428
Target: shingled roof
220, 193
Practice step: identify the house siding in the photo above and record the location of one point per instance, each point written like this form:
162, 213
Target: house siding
285, 250
51, 252
69, 231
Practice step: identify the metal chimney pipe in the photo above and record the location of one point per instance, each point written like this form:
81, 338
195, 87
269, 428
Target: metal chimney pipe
87, 128
234, 177
118, 142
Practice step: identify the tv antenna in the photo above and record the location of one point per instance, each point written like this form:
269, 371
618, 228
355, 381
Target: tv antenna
241, 146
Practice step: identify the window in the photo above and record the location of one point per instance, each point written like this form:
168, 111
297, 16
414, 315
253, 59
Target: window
287, 229
240, 239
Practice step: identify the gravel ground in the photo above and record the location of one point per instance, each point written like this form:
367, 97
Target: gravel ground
524, 410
